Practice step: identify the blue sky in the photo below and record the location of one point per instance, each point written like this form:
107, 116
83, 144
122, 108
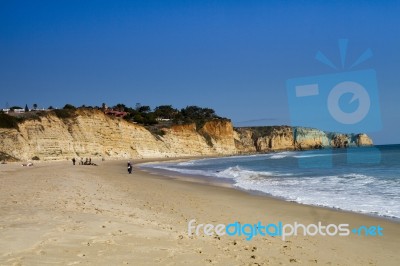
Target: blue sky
233, 56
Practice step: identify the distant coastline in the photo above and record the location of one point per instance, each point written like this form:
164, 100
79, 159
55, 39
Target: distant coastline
95, 133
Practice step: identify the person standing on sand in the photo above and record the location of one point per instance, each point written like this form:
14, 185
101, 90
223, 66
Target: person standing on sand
129, 168
73, 161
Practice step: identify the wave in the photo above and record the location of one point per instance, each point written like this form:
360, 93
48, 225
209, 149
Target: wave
238, 172
304, 154
352, 192
187, 163
367, 192
233, 172
182, 170
283, 154
220, 160
311, 155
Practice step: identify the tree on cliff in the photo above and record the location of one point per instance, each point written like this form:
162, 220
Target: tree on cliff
144, 109
198, 113
165, 111
142, 114
7, 121
195, 114
120, 107
69, 107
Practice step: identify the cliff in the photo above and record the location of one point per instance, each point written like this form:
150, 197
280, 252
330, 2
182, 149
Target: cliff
90, 133
275, 138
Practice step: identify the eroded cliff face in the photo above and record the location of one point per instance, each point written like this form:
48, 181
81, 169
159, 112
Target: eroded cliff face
363, 140
310, 138
219, 134
264, 139
275, 138
91, 133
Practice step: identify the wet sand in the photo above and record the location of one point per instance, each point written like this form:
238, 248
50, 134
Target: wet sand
57, 213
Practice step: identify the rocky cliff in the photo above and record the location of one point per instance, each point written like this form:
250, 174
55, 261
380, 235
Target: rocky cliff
275, 138
90, 133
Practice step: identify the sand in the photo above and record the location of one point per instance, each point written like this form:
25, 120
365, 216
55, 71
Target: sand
57, 213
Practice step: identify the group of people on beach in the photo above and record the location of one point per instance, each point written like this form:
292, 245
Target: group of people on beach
88, 161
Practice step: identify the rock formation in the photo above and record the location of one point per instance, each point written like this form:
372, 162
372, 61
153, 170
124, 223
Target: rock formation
275, 138
91, 133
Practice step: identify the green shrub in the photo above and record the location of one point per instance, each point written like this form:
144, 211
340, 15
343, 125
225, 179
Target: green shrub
7, 121
158, 132
64, 113
138, 118
69, 107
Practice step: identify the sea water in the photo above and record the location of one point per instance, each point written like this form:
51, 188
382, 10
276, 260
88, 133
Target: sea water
365, 180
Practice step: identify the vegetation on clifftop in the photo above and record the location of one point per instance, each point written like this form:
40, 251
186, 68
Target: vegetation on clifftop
12, 121
143, 114
7, 121
67, 112
154, 119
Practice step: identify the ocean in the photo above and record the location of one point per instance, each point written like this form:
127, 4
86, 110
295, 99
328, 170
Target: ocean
365, 180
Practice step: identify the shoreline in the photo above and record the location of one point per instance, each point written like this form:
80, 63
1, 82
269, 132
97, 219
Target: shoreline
202, 179
327, 214
60, 213
212, 181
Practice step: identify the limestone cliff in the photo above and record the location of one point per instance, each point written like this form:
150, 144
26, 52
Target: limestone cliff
310, 138
274, 138
264, 139
363, 140
91, 133
220, 136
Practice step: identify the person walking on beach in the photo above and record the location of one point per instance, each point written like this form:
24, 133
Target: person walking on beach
129, 168
73, 161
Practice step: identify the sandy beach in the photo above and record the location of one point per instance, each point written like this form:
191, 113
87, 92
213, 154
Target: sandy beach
57, 213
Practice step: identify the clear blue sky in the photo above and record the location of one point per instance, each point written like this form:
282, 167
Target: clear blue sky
233, 56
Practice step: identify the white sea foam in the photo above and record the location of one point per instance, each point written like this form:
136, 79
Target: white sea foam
237, 172
311, 155
220, 160
283, 154
183, 171
349, 192
186, 163
360, 191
